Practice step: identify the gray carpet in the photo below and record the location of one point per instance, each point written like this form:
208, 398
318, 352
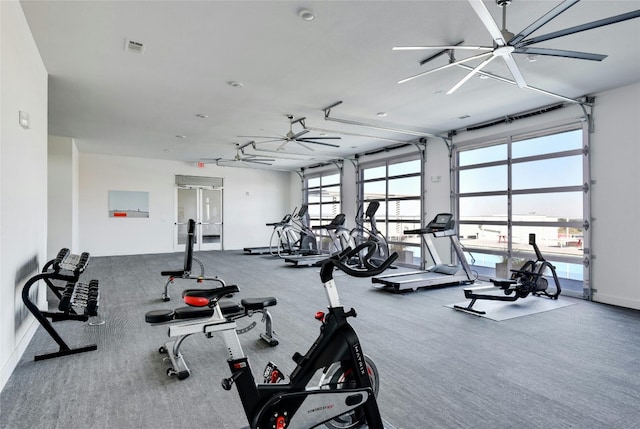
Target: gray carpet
578, 367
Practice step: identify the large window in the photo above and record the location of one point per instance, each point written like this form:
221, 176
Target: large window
523, 185
322, 193
397, 186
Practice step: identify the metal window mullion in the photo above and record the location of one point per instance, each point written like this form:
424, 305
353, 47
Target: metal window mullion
574, 188
587, 287
481, 165
545, 156
559, 224
509, 202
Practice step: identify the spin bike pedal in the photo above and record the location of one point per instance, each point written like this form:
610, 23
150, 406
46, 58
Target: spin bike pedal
272, 374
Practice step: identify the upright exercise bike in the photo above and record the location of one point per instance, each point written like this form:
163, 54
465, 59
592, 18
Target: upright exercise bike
346, 395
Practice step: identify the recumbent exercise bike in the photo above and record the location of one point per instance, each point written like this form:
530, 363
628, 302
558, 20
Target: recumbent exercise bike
525, 281
346, 395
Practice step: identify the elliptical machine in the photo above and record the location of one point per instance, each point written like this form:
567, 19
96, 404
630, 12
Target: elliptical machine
361, 233
293, 236
346, 395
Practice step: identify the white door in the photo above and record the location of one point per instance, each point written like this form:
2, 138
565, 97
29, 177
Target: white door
204, 206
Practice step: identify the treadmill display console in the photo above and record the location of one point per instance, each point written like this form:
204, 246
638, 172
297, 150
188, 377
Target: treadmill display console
442, 222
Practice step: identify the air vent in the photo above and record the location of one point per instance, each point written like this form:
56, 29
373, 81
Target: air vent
216, 182
134, 47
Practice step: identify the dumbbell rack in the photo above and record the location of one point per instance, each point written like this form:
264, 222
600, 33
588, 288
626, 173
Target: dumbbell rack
65, 267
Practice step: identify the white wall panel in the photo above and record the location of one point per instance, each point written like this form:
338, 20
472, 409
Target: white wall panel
251, 198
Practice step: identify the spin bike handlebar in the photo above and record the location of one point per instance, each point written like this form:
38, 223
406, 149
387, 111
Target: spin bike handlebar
326, 272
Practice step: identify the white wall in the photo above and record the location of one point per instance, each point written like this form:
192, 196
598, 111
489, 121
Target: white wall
615, 166
23, 181
251, 198
61, 195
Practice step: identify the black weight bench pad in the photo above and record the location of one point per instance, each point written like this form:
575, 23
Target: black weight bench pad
254, 304
160, 316
180, 273
211, 294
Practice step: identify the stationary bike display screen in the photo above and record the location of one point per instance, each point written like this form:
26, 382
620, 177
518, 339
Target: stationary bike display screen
442, 222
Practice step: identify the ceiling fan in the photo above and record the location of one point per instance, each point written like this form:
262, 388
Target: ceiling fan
241, 158
506, 43
295, 137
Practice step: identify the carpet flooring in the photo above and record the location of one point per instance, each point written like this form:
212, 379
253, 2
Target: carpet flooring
574, 367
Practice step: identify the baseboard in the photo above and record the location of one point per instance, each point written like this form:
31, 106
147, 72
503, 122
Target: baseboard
15, 357
620, 301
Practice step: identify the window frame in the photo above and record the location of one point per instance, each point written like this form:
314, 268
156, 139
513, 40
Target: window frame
584, 188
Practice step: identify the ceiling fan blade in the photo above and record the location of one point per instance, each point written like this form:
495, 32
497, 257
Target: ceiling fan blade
582, 27
509, 81
541, 21
259, 137
515, 70
254, 158
443, 47
281, 147
256, 162
486, 18
320, 138
560, 53
314, 142
304, 145
470, 74
301, 133
272, 140
445, 66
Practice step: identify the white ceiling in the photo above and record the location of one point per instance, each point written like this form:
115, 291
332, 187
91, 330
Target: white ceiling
116, 102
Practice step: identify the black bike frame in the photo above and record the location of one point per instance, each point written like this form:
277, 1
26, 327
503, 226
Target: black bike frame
337, 342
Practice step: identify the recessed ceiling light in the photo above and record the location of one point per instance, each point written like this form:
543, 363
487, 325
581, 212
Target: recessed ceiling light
167, 150
532, 58
306, 14
464, 117
381, 114
235, 84
438, 92
483, 76
201, 116
180, 136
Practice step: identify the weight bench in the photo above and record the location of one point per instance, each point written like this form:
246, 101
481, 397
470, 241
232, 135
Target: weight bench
185, 272
201, 317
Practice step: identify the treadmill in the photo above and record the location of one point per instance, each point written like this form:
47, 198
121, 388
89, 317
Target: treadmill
439, 274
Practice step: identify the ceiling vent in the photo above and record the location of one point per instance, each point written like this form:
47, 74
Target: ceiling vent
133, 46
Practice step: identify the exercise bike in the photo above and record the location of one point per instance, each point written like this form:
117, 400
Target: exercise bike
346, 395
526, 281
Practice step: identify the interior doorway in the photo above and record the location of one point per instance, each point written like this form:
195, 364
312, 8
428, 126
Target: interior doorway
203, 204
